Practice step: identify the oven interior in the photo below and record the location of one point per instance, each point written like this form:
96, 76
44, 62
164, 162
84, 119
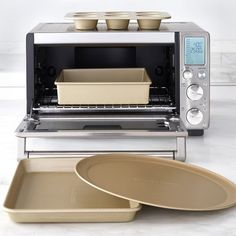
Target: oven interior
159, 60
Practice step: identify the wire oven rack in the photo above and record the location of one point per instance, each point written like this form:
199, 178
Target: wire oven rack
157, 102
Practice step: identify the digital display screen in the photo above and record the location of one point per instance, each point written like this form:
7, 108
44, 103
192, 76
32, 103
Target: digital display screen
194, 50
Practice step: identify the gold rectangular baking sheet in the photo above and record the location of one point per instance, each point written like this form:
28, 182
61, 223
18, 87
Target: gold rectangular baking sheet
48, 190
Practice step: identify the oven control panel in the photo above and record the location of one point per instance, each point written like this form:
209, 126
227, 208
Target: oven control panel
195, 79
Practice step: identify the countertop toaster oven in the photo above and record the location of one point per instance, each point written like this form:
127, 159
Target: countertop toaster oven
176, 58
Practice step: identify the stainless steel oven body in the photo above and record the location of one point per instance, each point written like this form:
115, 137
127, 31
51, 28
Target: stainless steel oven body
177, 60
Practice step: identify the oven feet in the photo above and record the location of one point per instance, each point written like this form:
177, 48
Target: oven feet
196, 132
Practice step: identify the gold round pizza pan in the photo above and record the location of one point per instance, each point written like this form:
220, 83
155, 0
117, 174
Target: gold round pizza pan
158, 182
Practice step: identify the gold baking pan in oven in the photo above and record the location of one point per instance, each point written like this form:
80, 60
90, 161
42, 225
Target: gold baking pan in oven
158, 182
48, 190
103, 86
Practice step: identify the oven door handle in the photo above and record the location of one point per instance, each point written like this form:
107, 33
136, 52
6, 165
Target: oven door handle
101, 133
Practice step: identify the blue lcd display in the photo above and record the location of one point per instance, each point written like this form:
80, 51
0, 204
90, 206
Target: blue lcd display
194, 50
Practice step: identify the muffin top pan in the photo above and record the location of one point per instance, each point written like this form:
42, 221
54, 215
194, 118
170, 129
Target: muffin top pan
117, 20
155, 15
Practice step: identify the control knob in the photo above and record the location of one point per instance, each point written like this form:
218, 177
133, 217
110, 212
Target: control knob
187, 74
194, 92
194, 116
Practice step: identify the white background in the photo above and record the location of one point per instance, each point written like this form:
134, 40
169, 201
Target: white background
214, 151
18, 17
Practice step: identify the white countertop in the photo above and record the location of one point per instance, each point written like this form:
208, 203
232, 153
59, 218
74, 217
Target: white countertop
216, 151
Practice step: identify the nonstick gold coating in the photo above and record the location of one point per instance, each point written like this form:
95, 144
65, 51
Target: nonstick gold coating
87, 24
149, 24
48, 190
158, 182
117, 24
103, 86
118, 20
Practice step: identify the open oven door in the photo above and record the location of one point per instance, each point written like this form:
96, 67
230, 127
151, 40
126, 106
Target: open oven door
81, 136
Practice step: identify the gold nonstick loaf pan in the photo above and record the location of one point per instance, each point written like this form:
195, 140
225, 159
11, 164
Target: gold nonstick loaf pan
48, 190
103, 86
